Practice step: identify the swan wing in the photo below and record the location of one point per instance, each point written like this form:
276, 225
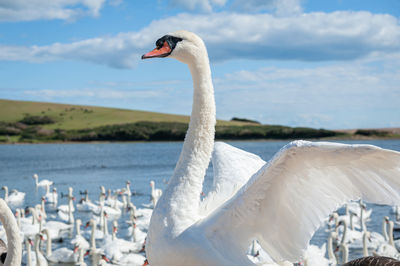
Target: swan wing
232, 169
286, 201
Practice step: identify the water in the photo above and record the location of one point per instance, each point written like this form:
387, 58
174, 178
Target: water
87, 166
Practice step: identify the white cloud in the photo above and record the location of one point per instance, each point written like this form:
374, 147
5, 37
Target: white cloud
307, 37
202, 5
28, 10
279, 7
364, 93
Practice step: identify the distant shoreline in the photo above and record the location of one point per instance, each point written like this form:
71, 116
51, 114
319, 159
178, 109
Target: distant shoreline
39, 122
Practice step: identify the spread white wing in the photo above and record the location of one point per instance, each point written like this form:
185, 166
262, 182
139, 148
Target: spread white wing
232, 168
286, 201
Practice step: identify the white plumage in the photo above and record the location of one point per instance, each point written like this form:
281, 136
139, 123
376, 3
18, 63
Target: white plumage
281, 204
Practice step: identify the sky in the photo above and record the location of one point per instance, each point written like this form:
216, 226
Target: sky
323, 64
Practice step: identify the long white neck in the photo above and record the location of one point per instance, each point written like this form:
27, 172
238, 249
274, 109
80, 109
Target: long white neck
37, 251
177, 209
13, 239
345, 253
133, 220
33, 212
105, 225
78, 227
36, 181
92, 238
384, 230
48, 242
365, 246
391, 241
362, 220
344, 233
5, 193
331, 254
70, 212
28, 252
43, 209
81, 256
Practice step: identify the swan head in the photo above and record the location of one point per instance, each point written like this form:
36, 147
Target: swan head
152, 183
35, 176
182, 45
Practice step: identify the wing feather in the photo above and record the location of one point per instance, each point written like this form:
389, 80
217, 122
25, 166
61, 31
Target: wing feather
287, 200
232, 168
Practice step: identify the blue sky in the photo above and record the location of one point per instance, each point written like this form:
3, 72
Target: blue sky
332, 64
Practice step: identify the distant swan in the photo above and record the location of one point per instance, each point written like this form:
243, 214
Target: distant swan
14, 250
15, 198
281, 205
42, 183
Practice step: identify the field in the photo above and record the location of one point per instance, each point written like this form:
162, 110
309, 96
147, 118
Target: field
67, 116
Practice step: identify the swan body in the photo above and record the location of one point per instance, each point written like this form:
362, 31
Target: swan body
43, 182
155, 193
14, 251
300, 185
15, 198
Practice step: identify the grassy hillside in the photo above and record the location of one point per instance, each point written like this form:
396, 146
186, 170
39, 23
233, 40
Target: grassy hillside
31, 122
68, 117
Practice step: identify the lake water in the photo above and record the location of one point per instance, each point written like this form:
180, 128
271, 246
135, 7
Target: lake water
87, 166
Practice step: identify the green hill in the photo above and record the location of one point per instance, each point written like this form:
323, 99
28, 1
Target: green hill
68, 116
31, 122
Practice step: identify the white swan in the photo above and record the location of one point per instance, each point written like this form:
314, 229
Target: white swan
61, 255
51, 197
298, 188
15, 198
42, 183
388, 248
155, 193
79, 240
40, 259
115, 248
14, 252
28, 256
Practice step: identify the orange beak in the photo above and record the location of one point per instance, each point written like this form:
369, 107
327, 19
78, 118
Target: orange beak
163, 51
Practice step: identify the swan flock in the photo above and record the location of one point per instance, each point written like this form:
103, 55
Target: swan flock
280, 203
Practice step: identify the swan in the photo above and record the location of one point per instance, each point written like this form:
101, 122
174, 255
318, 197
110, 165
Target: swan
66, 212
114, 248
15, 198
155, 193
10, 254
61, 255
86, 205
79, 240
51, 197
134, 232
28, 256
345, 252
42, 183
388, 248
297, 188
142, 216
40, 259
